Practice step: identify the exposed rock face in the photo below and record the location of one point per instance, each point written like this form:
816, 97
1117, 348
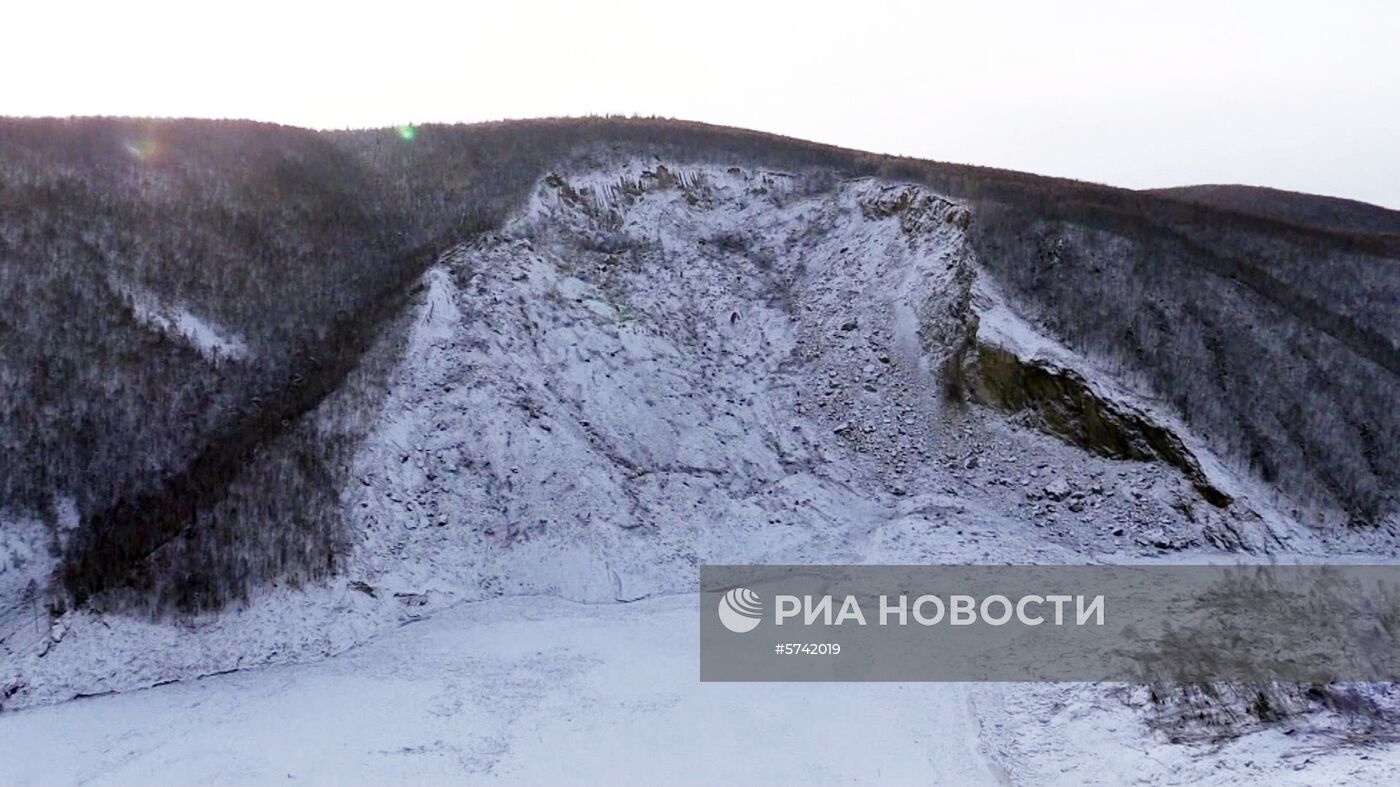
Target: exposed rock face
1282, 357
1062, 402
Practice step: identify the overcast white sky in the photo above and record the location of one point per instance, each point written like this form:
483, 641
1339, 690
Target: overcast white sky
1297, 95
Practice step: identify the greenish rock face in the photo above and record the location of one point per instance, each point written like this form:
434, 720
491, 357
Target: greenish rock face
1062, 403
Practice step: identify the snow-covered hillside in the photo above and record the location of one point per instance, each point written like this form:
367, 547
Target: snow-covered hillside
656, 365
208, 339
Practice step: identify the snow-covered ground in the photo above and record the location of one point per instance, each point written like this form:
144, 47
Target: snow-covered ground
1080, 734
538, 690
525, 691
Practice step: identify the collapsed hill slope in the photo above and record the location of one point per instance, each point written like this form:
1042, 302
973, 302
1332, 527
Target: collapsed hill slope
582, 357
657, 364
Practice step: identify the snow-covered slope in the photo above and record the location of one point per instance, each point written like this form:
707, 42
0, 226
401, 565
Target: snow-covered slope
654, 366
210, 340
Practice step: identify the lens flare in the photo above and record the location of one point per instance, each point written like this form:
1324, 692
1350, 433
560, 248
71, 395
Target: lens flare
144, 149
407, 133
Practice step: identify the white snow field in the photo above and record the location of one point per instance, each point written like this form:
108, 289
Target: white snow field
544, 691
525, 690
648, 369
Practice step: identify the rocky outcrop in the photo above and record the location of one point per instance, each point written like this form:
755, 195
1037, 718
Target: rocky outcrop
1062, 402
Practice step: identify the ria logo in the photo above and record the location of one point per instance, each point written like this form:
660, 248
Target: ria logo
740, 610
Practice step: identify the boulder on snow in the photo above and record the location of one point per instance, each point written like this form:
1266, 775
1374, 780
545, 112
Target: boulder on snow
1057, 489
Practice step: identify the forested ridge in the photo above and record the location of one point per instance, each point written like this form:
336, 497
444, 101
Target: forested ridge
1333, 213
